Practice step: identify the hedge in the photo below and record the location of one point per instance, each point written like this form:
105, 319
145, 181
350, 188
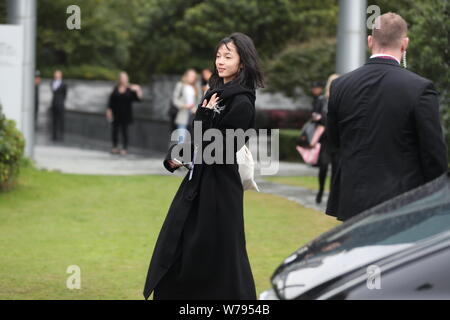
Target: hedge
12, 146
287, 150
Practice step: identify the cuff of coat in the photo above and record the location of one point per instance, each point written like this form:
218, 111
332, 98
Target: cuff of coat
168, 167
203, 113
166, 160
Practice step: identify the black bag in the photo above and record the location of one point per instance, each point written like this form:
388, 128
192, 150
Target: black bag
173, 110
306, 134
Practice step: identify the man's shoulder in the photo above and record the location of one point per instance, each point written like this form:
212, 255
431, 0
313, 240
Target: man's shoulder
411, 76
411, 81
342, 79
404, 76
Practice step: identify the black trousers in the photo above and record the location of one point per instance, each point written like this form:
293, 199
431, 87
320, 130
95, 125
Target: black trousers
123, 128
327, 156
57, 124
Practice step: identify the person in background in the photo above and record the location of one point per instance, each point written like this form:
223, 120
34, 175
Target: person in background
317, 91
206, 74
384, 121
120, 112
173, 110
326, 155
59, 92
186, 100
37, 83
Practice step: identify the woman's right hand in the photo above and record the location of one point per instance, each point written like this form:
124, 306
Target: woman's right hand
316, 116
109, 115
174, 164
212, 102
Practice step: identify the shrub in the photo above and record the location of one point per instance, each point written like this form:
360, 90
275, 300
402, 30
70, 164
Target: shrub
288, 138
295, 67
282, 119
11, 150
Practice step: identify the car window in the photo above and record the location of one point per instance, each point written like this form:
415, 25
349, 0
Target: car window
410, 218
425, 278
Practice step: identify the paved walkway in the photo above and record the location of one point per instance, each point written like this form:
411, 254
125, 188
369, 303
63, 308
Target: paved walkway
76, 160
303, 196
81, 161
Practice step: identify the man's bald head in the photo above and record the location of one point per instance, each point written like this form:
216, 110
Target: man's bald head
389, 30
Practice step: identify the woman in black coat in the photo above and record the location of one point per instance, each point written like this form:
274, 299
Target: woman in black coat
120, 111
201, 251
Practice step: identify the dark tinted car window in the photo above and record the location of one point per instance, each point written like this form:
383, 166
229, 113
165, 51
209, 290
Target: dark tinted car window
409, 218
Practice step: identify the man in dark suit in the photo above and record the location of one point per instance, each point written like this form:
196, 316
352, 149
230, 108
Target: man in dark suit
59, 90
384, 121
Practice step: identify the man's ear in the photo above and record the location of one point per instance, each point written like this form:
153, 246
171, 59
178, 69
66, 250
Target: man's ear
370, 42
405, 43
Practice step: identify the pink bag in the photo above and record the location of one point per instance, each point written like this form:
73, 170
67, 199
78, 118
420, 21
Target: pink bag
311, 155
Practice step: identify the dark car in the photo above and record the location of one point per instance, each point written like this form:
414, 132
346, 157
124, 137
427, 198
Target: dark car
399, 249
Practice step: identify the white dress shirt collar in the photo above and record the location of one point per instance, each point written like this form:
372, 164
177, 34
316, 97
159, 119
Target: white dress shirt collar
384, 55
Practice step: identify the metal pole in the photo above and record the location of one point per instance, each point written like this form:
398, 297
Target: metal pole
352, 34
23, 12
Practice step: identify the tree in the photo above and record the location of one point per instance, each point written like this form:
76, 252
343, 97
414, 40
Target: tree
107, 31
183, 34
293, 70
3, 12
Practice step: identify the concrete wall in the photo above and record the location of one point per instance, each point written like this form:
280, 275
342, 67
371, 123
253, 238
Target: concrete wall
86, 104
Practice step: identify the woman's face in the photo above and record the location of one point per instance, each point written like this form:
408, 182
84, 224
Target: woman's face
123, 78
227, 62
206, 74
191, 77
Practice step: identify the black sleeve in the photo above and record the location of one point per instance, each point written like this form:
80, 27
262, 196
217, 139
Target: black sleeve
64, 89
203, 115
432, 148
169, 157
332, 120
317, 104
323, 111
239, 117
110, 100
134, 96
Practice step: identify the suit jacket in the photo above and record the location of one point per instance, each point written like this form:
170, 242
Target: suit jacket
384, 122
59, 96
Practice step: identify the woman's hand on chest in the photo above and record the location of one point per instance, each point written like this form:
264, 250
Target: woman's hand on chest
213, 101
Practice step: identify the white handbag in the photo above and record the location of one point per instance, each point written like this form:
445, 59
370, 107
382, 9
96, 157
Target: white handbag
246, 164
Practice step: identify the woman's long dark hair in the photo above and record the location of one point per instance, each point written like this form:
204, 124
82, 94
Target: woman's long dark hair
251, 75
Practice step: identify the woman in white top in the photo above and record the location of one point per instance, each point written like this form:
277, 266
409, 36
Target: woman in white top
186, 102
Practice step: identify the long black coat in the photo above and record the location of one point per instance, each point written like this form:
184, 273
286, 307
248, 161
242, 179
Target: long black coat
201, 250
384, 121
59, 97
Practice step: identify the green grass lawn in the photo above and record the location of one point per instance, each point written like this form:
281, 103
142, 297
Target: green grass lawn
309, 182
108, 225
